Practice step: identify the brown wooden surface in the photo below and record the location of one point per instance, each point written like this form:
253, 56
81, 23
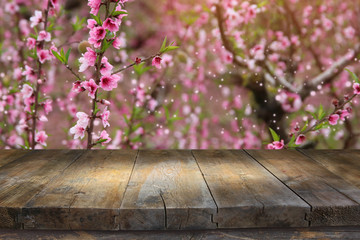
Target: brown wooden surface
345, 164
178, 189
351, 233
7, 156
167, 191
334, 201
23, 178
87, 195
247, 195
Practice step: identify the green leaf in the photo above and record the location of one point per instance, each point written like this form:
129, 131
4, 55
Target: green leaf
96, 111
170, 48
136, 139
67, 56
305, 126
353, 76
163, 46
117, 13
97, 19
292, 141
167, 114
58, 56
140, 69
274, 135
101, 141
312, 114
78, 25
126, 120
321, 112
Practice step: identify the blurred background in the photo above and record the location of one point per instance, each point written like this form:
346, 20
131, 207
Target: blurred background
242, 67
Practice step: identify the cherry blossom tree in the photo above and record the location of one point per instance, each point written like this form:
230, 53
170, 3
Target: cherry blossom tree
247, 74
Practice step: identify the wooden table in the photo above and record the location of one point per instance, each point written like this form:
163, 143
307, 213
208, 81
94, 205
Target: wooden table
179, 189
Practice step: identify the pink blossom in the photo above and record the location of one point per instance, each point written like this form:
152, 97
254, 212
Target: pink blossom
105, 117
300, 139
157, 62
333, 119
343, 114
87, 60
77, 88
43, 55
91, 86
47, 106
91, 23
349, 32
98, 33
95, 6
27, 91
44, 36
28, 102
111, 25
30, 74
106, 67
356, 87
40, 137
78, 131
110, 82
290, 102
11, 8
104, 135
36, 19
30, 43
95, 42
118, 42
278, 144
152, 104
83, 119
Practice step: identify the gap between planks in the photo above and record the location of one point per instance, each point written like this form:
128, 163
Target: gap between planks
305, 217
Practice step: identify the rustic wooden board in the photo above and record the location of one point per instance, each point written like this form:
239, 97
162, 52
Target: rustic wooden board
166, 191
334, 201
247, 195
86, 196
345, 164
228, 234
23, 178
7, 156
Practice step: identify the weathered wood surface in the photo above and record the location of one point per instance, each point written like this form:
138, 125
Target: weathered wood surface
167, 191
228, 234
334, 201
87, 195
345, 164
178, 189
247, 195
21, 179
7, 156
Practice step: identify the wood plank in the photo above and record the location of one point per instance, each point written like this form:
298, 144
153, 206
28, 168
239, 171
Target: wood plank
334, 201
7, 156
345, 164
86, 196
247, 195
228, 234
166, 191
23, 178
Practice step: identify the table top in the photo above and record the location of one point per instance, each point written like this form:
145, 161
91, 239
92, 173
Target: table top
178, 189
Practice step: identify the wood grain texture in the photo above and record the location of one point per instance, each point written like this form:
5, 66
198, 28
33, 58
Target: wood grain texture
345, 164
334, 201
7, 156
86, 196
166, 191
228, 234
247, 195
23, 178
